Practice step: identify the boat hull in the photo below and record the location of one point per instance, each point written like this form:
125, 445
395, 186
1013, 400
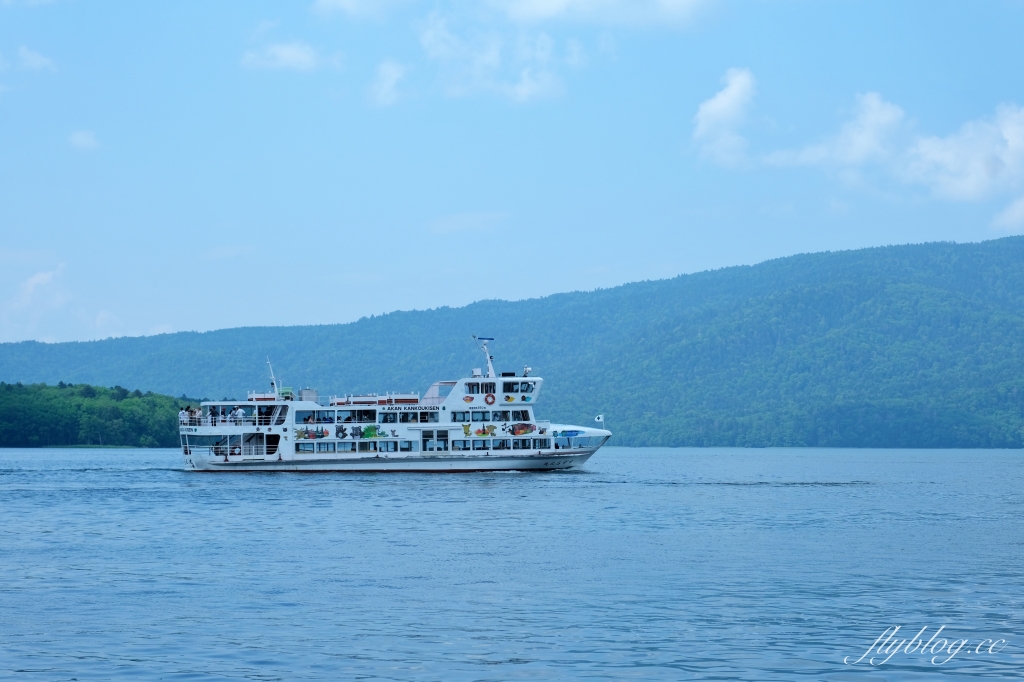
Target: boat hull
549, 461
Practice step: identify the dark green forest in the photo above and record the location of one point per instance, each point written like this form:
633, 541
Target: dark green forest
904, 346
38, 415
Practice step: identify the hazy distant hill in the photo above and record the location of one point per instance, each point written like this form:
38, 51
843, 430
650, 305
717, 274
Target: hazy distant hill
918, 345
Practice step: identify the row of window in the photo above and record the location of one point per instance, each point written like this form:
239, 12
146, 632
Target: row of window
475, 388
492, 416
362, 446
363, 417
408, 417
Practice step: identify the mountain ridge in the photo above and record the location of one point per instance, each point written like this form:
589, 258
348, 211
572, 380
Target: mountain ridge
914, 345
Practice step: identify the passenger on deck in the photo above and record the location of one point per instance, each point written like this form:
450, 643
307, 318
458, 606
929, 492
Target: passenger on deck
182, 416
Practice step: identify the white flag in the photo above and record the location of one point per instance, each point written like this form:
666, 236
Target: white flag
599, 419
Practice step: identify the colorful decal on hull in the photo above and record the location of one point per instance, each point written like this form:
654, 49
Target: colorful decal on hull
485, 430
510, 399
521, 429
312, 434
525, 398
468, 399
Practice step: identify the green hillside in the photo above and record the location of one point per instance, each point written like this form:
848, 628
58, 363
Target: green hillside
916, 346
39, 416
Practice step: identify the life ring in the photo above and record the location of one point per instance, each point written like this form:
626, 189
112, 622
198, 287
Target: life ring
489, 398
236, 450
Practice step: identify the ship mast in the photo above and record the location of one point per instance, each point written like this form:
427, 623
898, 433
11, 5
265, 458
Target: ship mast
273, 381
487, 354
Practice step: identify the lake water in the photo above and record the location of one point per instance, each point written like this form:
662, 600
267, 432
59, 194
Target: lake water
648, 564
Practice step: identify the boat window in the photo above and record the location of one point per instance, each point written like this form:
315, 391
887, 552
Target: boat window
305, 417
282, 413
479, 444
510, 387
325, 447
367, 446
520, 415
408, 446
561, 443
521, 444
406, 417
388, 417
325, 416
264, 415
387, 446
459, 445
346, 447
527, 387
304, 447
460, 416
501, 444
500, 416
428, 417
481, 416
541, 443
488, 387
472, 388
350, 416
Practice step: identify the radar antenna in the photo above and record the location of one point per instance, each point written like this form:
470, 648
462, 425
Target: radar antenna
487, 354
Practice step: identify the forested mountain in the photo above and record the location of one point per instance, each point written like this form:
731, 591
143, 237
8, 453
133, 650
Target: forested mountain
914, 346
40, 416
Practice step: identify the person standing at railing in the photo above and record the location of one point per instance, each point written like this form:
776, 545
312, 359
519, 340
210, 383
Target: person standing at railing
182, 416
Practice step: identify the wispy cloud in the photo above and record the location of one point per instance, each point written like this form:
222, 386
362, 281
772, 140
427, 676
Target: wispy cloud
384, 89
294, 56
521, 70
983, 157
868, 136
717, 121
602, 11
1011, 217
84, 140
33, 61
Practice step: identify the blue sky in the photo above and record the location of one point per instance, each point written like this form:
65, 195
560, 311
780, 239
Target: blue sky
184, 166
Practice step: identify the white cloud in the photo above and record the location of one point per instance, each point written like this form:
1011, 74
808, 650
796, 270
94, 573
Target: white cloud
33, 61
868, 136
296, 56
84, 140
601, 11
385, 86
1011, 217
484, 62
718, 119
983, 157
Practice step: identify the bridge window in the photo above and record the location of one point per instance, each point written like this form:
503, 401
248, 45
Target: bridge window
527, 387
510, 387
472, 388
488, 387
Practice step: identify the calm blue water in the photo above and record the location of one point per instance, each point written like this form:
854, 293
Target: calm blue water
650, 564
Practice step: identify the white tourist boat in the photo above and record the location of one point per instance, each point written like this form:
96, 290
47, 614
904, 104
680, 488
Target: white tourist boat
480, 423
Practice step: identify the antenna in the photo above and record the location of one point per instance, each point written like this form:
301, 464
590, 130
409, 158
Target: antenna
273, 381
487, 354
